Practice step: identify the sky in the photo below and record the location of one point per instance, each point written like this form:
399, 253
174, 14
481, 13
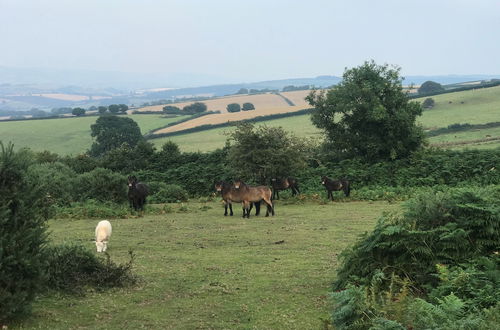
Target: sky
244, 41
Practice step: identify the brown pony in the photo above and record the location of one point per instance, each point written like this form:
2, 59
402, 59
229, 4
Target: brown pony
278, 184
336, 185
250, 194
229, 196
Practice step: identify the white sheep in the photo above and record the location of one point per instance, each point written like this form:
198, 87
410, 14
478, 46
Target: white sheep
102, 234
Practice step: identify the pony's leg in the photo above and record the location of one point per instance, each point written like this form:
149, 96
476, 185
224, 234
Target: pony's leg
225, 208
257, 208
330, 195
231, 209
297, 189
277, 194
270, 207
247, 209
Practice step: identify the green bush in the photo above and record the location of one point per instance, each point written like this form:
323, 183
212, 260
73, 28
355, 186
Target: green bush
72, 268
101, 184
23, 213
458, 230
56, 180
167, 193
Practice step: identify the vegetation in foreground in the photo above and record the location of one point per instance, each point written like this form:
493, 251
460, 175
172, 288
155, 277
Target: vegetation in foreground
199, 269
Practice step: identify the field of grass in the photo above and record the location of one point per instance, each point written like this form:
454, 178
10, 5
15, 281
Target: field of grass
479, 107
476, 138
201, 270
215, 138
65, 136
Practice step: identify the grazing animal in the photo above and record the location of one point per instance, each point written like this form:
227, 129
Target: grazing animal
336, 185
229, 196
102, 235
249, 194
137, 193
278, 184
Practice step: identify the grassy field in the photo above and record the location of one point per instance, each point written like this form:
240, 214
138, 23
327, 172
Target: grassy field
65, 136
201, 270
479, 106
215, 138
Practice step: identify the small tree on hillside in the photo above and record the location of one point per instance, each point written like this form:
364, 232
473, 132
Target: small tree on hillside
114, 108
242, 91
248, 106
23, 213
122, 108
368, 115
111, 132
102, 109
78, 111
428, 103
257, 154
233, 107
196, 107
430, 87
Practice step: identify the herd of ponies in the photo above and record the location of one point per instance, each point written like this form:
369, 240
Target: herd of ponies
235, 192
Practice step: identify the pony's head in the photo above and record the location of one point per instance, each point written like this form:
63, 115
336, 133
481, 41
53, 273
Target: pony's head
101, 246
237, 184
132, 181
323, 180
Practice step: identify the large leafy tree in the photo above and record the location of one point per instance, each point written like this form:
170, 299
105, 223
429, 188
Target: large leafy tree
368, 115
260, 153
111, 132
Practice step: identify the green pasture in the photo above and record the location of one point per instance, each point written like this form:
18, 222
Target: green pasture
475, 138
479, 106
65, 135
201, 270
215, 138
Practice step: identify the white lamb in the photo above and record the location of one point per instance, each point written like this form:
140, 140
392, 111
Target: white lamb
102, 234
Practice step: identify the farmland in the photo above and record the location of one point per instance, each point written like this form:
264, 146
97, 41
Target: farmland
199, 269
68, 136
65, 136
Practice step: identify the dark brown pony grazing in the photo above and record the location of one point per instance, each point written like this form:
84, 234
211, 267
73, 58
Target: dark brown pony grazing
137, 193
278, 184
229, 196
336, 185
250, 194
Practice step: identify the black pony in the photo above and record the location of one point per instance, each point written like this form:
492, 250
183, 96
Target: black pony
229, 196
335, 185
137, 193
278, 184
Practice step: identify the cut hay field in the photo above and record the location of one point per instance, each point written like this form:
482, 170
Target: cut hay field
201, 270
260, 101
65, 136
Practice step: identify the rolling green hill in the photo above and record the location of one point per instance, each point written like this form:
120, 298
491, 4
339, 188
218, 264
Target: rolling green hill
66, 135
72, 136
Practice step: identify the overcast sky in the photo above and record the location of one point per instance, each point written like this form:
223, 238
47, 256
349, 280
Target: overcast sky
253, 39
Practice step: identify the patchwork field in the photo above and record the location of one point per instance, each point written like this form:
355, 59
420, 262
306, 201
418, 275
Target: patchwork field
72, 136
201, 270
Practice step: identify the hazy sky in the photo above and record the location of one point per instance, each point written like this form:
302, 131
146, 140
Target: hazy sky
253, 39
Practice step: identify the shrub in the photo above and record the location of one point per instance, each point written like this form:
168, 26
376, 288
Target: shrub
103, 185
458, 231
428, 103
233, 107
167, 193
72, 268
448, 227
247, 106
22, 234
56, 180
